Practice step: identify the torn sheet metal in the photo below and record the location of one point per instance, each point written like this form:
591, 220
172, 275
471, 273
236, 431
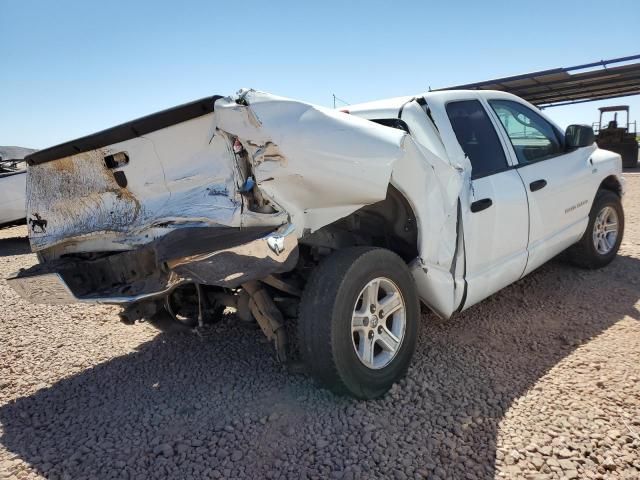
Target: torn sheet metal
230, 267
316, 163
432, 183
320, 165
432, 186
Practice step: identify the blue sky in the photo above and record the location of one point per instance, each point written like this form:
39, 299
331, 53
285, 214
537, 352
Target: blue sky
69, 68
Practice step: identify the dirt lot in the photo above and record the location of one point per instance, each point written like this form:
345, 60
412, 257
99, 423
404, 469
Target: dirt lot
539, 381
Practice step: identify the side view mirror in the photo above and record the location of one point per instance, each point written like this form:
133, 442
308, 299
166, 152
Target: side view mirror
578, 136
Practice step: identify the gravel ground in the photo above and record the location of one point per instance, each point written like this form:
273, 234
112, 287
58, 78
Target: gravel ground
539, 381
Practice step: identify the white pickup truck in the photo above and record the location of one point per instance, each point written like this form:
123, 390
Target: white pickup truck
340, 221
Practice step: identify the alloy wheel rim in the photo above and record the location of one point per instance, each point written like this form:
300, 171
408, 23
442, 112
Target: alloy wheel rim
605, 230
378, 323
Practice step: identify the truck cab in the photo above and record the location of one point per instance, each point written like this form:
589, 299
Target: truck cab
529, 188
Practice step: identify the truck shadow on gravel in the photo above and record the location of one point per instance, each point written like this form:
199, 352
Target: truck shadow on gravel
219, 406
14, 246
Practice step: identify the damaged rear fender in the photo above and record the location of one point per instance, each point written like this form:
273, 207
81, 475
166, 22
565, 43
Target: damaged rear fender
317, 164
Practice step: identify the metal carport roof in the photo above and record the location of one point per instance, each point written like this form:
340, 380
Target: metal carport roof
563, 86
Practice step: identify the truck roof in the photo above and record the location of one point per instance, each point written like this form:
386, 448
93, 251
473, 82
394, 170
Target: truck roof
390, 107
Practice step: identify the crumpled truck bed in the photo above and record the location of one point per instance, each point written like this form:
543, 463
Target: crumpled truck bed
254, 160
312, 166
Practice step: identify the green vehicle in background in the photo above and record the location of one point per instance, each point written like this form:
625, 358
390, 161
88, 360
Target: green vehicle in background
619, 139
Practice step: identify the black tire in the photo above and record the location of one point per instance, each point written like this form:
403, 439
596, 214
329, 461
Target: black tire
326, 308
584, 253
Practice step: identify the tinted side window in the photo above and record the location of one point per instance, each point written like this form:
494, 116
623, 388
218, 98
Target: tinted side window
477, 137
532, 137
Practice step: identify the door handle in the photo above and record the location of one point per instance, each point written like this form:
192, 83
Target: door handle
480, 205
537, 185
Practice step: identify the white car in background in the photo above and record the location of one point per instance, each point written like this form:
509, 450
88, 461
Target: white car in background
340, 221
13, 175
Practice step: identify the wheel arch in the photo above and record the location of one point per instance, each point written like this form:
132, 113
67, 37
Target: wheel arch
390, 223
613, 184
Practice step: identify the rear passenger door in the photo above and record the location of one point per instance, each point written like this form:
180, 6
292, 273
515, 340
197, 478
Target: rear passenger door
496, 221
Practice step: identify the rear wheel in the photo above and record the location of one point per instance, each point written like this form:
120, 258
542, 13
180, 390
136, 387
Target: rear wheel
359, 319
601, 240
